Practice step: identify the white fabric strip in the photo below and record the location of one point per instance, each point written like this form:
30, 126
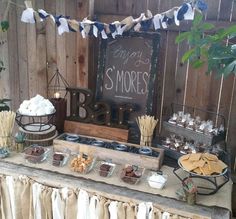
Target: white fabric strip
83, 205
113, 210
10, 187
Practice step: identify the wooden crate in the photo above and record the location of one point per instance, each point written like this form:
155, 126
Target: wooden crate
119, 157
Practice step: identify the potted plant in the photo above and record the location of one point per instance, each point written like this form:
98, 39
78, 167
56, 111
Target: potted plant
3, 105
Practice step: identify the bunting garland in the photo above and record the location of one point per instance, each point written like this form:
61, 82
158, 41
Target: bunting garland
144, 22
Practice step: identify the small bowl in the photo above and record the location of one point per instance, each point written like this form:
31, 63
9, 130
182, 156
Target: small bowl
131, 174
98, 143
120, 147
156, 180
30, 154
145, 151
101, 168
72, 137
82, 163
59, 159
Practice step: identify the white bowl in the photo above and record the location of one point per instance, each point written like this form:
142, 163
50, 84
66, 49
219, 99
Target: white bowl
157, 181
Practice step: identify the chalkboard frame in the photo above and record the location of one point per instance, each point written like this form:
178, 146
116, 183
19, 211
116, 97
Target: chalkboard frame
152, 85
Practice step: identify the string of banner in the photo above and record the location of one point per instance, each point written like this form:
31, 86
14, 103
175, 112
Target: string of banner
144, 22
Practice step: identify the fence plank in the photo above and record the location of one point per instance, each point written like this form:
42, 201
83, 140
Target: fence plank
161, 77
13, 59
227, 83
181, 74
41, 66
225, 10
105, 7
84, 8
5, 91
71, 47
51, 47
169, 83
22, 54
32, 57
212, 11
61, 41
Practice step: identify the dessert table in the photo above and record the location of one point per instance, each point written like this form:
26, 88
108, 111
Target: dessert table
113, 188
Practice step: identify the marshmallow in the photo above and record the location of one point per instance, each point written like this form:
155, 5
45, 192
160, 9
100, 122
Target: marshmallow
36, 106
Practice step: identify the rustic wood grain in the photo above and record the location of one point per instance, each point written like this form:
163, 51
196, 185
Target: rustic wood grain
22, 54
225, 10
119, 157
181, 73
61, 41
51, 47
85, 8
96, 130
213, 7
161, 77
169, 83
32, 59
41, 63
13, 59
71, 61
227, 83
5, 91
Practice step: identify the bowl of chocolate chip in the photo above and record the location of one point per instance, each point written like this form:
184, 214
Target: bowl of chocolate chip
132, 174
59, 159
105, 169
35, 153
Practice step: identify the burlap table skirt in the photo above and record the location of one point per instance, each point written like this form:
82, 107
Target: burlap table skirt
23, 198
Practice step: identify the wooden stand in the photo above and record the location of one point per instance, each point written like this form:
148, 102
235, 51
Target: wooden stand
43, 138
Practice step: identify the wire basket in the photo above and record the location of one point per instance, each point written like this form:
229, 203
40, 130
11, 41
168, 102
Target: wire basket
35, 123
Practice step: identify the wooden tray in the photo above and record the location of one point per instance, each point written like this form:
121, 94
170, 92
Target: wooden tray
119, 157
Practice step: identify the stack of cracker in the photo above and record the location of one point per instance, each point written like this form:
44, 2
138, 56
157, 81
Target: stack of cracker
202, 163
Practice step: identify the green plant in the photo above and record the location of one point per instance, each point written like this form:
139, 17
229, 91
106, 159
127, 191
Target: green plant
4, 25
215, 50
3, 105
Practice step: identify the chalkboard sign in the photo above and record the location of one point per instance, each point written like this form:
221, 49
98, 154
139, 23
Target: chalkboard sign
127, 70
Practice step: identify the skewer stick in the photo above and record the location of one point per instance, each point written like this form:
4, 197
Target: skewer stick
146, 126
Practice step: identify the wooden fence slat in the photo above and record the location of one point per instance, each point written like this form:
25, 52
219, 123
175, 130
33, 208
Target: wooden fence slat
32, 59
105, 7
227, 83
212, 11
22, 54
13, 59
61, 41
169, 83
139, 7
232, 128
85, 8
41, 66
71, 47
225, 10
180, 74
5, 91
234, 11
51, 47
161, 77
154, 6
197, 90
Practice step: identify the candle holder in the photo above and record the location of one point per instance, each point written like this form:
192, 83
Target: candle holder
58, 85
60, 105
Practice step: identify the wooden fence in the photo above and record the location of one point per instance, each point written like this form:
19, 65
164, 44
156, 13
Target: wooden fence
32, 52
